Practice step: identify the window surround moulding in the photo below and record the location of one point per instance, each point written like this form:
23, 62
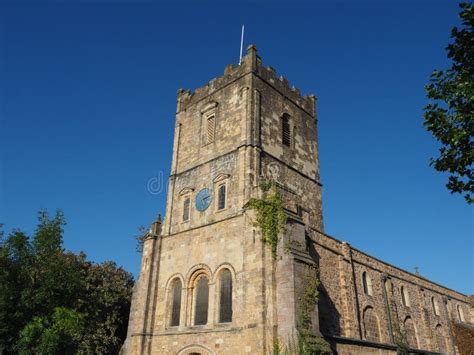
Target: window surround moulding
220, 177
186, 191
187, 221
208, 107
207, 112
216, 203
286, 122
219, 180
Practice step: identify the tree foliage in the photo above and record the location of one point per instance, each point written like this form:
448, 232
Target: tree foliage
48, 295
58, 334
106, 306
450, 115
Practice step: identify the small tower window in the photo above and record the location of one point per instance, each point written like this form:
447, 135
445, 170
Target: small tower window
405, 298
434, 304
202, 301
186, 206
460, 313
367, 284
175, 303
211, 124
221, 197
285, 130
225, 297
388, 287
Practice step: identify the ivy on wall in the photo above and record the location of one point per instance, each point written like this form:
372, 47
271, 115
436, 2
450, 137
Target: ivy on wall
400, 339
270, 216
271, 219
310, 297
313, 344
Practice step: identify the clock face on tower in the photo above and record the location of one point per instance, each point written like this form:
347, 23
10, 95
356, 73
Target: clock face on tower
203, 199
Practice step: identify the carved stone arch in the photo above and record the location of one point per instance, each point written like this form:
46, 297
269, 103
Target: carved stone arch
196, 348
198, 292
220, 268
172, 277
220, 177
197, 270
186, 190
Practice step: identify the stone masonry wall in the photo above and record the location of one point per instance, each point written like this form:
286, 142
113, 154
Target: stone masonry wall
346, 310
228, 244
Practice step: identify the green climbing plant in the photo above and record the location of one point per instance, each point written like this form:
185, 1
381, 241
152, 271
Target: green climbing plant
306, 338
270, 216
400, 339
298, 345
309, 298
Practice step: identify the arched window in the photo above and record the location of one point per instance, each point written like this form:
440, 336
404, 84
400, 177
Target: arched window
175, 295
186, 206
221, 197
410, 331
388, 287
211, 123
201, 304
371, 325
367, 283
225, 297
285, 130
434, 305
405, 298
441, 339
460, 313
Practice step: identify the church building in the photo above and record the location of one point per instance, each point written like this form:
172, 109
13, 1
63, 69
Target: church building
210, 280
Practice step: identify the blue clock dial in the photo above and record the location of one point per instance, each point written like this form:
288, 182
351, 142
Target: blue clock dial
203, 199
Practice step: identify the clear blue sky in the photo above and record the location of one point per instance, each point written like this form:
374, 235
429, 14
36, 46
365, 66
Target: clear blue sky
88, 92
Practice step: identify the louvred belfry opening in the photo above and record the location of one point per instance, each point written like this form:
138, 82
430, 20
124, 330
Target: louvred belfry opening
210, 128
285, 130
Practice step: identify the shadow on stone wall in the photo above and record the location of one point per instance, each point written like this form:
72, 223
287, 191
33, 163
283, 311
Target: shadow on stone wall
329, 317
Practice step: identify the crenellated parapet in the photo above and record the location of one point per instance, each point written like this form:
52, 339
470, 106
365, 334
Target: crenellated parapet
281, 84
251, 63
187, 98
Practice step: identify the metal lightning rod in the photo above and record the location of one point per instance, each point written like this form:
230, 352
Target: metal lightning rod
241, 44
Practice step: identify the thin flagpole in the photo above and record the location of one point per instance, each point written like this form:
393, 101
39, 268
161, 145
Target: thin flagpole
241, 44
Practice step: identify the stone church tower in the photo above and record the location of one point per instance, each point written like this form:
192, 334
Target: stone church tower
209, 284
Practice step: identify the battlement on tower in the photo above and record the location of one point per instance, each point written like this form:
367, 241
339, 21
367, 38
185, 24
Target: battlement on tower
251, 63
281, 84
